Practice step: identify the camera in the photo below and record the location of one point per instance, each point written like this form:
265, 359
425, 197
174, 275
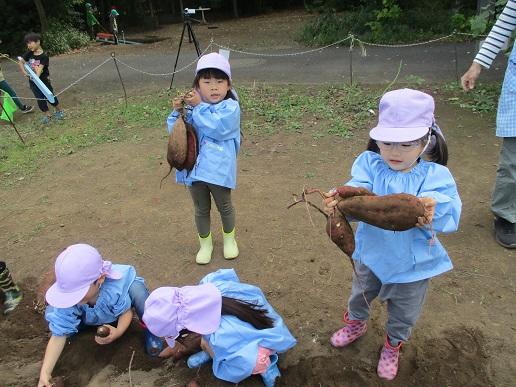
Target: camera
189, 11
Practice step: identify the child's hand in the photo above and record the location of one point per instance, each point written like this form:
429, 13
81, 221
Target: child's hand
193, 98
113, 335
330, 202
44, 380
429, 204
177, 103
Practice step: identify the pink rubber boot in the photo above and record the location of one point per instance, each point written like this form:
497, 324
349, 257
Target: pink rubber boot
389, 359
349, 333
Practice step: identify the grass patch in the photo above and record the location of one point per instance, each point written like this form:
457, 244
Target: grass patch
482, 99
317, 110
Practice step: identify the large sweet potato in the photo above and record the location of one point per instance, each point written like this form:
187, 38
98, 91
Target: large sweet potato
177, 145
397, 212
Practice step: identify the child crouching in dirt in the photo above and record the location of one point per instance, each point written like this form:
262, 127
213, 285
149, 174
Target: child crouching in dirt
242, 333
396, 266
91, 291
215, 117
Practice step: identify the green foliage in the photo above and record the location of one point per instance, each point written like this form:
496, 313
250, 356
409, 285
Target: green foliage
482, 99
483, 22
388, 23
62, 37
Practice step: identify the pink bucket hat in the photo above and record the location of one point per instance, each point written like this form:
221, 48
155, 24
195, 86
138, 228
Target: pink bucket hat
77, 267
405, 115
213, 61
169, 310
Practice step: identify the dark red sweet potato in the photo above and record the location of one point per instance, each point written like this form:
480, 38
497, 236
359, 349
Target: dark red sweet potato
177, 145
103, 331
347, 191
341, 233
397, 212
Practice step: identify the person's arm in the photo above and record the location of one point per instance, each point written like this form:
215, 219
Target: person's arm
54, 349
114, 333
21, 62
497, 38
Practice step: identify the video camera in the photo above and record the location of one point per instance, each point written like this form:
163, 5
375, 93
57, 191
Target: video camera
188, 12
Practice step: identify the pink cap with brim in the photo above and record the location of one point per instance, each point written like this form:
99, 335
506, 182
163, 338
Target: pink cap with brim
214, 60
76, 268
404, 115
169, 310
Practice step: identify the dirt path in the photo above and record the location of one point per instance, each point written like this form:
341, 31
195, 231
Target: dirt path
109, 196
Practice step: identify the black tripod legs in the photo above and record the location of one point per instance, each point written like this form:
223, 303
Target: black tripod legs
192, 38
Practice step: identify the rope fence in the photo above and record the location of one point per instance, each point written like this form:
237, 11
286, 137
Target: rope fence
351, 38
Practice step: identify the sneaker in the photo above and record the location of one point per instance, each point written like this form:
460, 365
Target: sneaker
12, 299
45, 120
349, 333
505, 233
389, 360
26, 109
59, 115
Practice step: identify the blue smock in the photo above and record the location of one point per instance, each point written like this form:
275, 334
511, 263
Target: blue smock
218, 132
235, 343
113, 301
415, 254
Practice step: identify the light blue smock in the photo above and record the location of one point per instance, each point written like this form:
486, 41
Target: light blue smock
113, 301
218, 132
235, 343
415, 254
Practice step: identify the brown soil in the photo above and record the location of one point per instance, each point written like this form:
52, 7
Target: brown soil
109, 196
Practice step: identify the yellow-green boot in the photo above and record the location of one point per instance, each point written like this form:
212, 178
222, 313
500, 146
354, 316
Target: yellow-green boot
230, 245
204, 254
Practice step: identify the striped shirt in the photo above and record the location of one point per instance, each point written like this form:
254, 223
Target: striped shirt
499, 35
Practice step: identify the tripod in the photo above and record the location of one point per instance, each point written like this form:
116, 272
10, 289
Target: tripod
187, 25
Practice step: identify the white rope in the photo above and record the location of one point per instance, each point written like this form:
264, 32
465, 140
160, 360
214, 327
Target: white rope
287, 54
405, 45
163, 74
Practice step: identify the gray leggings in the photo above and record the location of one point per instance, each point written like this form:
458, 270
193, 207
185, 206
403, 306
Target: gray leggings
201, 195
404, 302
503, 203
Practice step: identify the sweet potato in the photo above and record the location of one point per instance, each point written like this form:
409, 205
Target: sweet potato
177, 145
347, 191
397, 212
103, 331
341, 233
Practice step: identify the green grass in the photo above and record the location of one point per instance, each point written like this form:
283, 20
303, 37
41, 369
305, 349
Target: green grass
318, 111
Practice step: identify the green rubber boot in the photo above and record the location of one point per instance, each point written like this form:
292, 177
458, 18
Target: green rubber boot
204, 254
230, 245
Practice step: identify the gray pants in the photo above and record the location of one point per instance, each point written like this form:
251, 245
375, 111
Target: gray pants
503, 201
404, 302
201, 195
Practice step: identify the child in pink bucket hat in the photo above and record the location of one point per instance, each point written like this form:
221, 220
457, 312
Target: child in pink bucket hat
406, 153
91, 291
242, 333
213, 110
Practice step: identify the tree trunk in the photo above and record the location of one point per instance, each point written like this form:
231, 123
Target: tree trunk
42, 15
235, 8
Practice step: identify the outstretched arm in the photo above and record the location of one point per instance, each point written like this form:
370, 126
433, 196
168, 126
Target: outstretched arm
54, 348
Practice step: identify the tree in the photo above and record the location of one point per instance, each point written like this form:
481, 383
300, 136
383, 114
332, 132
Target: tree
42, 15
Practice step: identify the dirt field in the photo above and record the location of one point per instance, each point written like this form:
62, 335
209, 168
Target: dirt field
109, 196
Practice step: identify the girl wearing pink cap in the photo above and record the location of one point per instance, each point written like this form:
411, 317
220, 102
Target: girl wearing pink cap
91, 291
242, 333
214, 112
406, 153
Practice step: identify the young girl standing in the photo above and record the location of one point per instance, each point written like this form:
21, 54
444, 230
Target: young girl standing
215, 115
396, 266
91, 291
